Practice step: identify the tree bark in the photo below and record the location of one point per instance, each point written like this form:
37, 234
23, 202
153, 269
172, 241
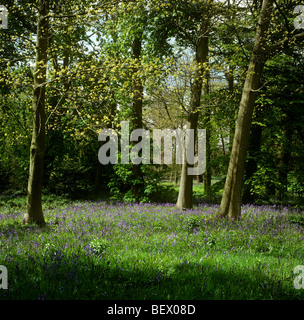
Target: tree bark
34, 205
208, 127
184, 199
231, 200
208, 174
138, 181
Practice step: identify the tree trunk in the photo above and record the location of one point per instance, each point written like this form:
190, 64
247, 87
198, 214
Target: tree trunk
184, 199
231, 200
138, 182
34, 206
207, 126
252, 163
282, 168
207, 174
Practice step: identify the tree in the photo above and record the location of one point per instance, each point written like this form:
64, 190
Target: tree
201, 47
231, 200
34, 205
137, 109
37, 149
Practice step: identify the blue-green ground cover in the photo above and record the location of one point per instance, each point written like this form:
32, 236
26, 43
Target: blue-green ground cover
97, 250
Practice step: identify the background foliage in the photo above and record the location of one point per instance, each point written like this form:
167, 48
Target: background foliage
90, 87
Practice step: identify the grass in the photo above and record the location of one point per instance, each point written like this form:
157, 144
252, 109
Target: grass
97, 250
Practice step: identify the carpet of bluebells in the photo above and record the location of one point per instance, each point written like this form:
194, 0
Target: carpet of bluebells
98, 250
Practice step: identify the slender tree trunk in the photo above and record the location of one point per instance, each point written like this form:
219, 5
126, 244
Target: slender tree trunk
138, 182
184, 199
252, 163
230, 80
282, 168
207, 126
34, 206
207, 174
231, 200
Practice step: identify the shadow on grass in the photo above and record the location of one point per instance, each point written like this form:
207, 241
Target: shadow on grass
56, 275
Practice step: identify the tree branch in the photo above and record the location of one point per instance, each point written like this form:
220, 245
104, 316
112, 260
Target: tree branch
285, 43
